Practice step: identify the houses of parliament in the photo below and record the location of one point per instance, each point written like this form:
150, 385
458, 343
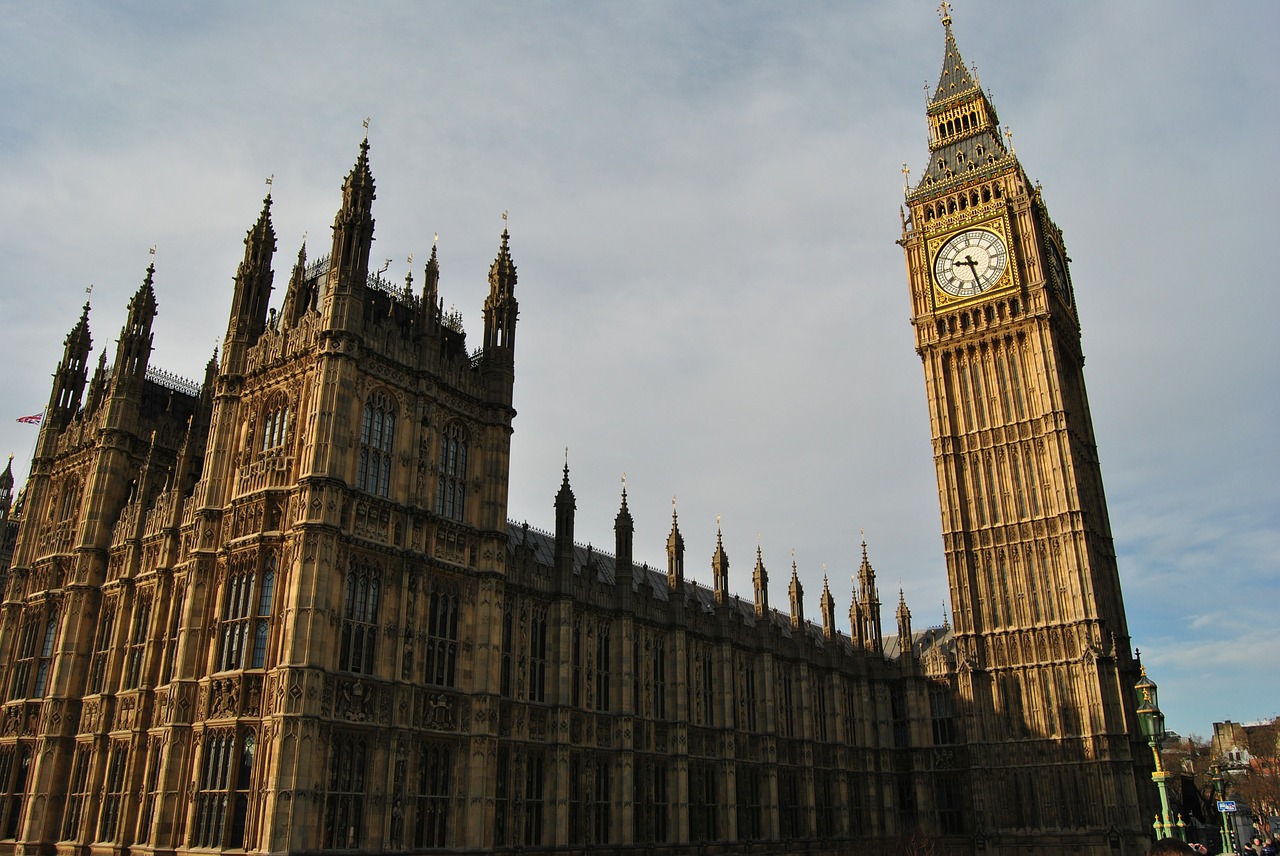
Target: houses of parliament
283, 610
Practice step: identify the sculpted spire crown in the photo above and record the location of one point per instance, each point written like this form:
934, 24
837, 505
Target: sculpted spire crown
955, 78
358, 190
142, 306
260, 241
79, 341
502, 273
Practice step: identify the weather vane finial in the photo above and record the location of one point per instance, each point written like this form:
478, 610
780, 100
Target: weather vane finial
1008, 135
944, 12
366, 128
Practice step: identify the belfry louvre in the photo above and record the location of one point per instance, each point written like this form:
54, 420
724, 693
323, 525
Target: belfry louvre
284, 610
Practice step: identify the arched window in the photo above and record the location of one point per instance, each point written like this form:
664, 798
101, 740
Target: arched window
360, 619
377, 439
29, 673
451, 490
222, 798
245, 627
275, 423
442, 638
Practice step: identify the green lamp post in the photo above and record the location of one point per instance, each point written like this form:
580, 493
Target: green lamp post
1220, 792
1152, 721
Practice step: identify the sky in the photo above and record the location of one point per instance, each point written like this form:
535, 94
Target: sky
703, 202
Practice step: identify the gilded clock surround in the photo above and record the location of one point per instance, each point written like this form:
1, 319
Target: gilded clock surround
998, 226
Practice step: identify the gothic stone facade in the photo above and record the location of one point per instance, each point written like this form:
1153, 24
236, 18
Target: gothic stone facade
283, 610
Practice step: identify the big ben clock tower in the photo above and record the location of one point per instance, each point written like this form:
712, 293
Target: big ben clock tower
1045, 672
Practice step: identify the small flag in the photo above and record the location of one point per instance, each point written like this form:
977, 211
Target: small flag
33, 419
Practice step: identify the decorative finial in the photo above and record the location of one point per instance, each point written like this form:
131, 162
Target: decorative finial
89, 290
153, 253
505, 215
304, 237
410, 259
566, 458
1008, 135
944, 12
366, 128
436, 239
624, 482
717, 522
906, 179
270, 180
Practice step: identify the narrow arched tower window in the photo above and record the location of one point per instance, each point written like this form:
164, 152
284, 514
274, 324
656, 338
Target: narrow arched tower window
360, 619
275, 426
451, 491
377, 439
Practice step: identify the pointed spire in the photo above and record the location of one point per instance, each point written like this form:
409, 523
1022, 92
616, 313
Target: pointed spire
297, 297
964, 130
73, 370
502, 273
955, 78
856, 619
352, 239
358, 188
623, 531
675, 552
760, 581
252, 291
6, 483
97, 386
720, 568
133, 349
797, 595
905, 639
500, 308
566, 505
869, 606
431, 279
827, 605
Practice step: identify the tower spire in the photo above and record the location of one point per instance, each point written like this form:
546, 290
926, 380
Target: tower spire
624, 532
760, 582
73, 371
253, 282
964, 130
720, 568
955, 78
675, 552
796, 591
352, 241
827, 605
566, 505
133, 349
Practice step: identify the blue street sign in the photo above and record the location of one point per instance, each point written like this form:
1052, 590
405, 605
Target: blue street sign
1226, 806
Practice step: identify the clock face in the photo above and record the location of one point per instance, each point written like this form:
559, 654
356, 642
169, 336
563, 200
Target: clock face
1058, 270
970, 263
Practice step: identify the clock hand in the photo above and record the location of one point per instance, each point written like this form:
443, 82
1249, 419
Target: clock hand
971, 265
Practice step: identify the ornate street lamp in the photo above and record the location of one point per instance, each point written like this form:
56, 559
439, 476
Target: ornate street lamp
1152, 721
1220, 793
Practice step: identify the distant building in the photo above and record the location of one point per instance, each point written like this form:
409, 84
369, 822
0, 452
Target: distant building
284, 609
